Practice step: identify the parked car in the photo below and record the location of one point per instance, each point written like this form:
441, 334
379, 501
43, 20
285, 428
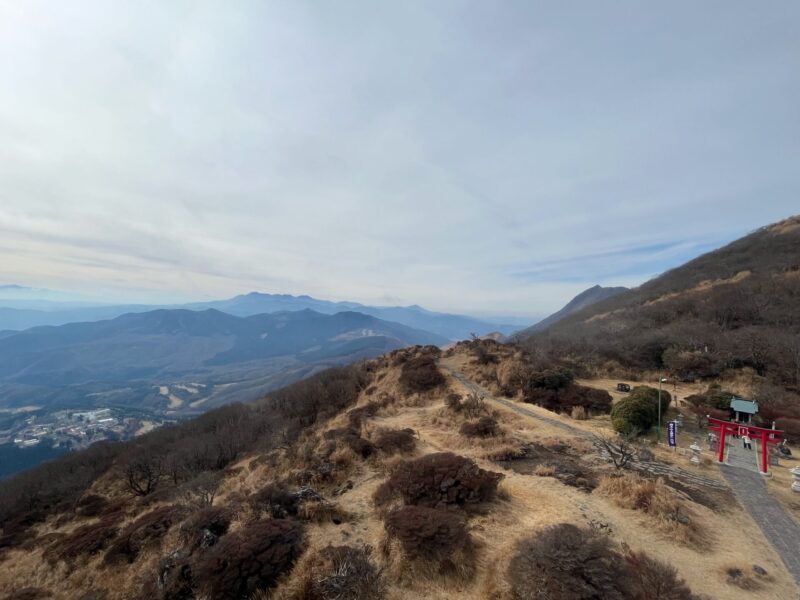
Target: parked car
623, 387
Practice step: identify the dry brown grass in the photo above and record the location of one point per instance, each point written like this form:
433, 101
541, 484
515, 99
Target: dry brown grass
652, 497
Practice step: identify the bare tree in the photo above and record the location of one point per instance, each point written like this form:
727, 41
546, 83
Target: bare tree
203, 488
143, 474
619, 448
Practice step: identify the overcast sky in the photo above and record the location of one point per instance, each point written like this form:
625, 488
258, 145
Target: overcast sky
493, 157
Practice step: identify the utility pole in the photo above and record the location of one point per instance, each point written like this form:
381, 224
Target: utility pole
660, 381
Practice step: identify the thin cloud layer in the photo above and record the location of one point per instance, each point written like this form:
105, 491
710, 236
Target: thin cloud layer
464, 156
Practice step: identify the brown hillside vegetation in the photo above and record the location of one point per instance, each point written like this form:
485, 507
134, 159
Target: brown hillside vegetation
294, 508
733, 308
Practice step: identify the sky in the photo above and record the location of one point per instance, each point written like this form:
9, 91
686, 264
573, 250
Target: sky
489, 158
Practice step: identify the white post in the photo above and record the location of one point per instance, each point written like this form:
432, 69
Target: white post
695, 460
796, 483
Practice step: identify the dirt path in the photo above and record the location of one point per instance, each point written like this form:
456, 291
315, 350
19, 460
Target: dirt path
777, 526
656, 468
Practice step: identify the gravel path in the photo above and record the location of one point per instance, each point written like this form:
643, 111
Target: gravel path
654, 467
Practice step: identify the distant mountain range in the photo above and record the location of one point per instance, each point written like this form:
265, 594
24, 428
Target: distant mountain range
219, 356
18, 314
584, 299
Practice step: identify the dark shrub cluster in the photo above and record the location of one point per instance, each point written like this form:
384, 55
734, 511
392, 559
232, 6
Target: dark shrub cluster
651, 579
91, 506
277, 500
427, 533
439, 480
28, 593
565, 562
483, 427
572, 395
550, 379
352, 439
248, 560
453, 402
420, 374
205, 526
144, 531
483, 355
86, 540
356, 416
391, 441
343, 573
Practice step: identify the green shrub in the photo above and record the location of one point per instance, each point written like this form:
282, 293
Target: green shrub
632, 415
650, 395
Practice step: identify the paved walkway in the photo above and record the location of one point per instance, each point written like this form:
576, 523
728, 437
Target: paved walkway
748, 484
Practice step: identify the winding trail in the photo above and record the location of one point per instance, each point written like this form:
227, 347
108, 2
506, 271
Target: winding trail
742, 475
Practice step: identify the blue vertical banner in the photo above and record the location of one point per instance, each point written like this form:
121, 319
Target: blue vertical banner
672, 434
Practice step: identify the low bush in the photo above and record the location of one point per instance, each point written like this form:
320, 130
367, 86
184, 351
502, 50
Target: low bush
86, 540
391, 441
352, 439
356, 416
341, 573
145, 531
570, 396
28, 593
483, 427
453, 402
565, 562
439, 480
420, 374
206, 525
91, 505
277, 500
248, 560
650, 579
550, 379
427, 533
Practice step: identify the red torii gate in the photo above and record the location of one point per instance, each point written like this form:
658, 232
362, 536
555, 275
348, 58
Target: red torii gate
766, 436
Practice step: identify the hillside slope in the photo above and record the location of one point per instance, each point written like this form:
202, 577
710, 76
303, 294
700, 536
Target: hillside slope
372, 482
731, 308
586, 298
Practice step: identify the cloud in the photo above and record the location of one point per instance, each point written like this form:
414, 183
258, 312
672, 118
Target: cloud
460, 156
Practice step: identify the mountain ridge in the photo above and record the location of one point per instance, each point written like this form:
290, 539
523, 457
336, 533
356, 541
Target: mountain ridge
586, 298
15, 316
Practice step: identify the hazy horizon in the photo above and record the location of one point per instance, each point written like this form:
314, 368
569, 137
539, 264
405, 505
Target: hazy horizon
471, 158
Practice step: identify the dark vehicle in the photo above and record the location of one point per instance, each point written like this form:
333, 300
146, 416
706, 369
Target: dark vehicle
623, 387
